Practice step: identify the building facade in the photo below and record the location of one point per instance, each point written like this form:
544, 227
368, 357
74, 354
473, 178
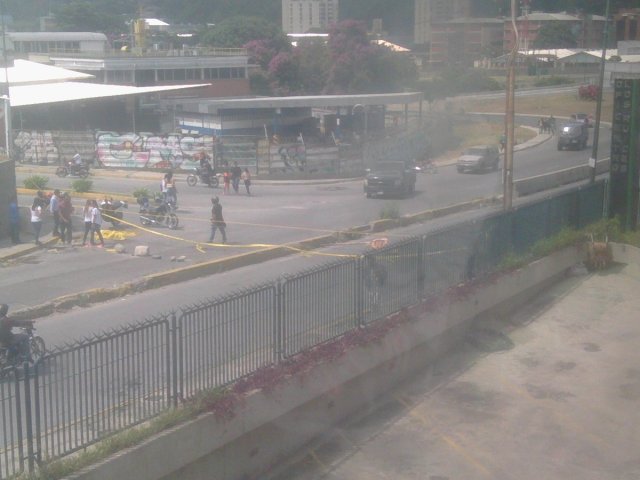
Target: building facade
303, 16
587, 29
428, 12
627, 23
464, 40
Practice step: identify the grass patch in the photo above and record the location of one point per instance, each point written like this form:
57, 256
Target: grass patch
36, 182
561, 105
389, 211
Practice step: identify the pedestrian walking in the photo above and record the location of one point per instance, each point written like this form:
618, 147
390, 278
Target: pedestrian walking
65, 211
236, 174
246, 178
226, 177
54, 208
96, 224
36, 219
14, 220
217, 221
86, 213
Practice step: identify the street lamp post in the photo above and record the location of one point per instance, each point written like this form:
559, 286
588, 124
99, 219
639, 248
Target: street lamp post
507, 177
596, 127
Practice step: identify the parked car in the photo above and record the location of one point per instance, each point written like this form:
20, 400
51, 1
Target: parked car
582, 117
389, 178
573, 135
479, 158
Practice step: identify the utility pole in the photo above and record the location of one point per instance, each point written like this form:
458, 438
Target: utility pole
596, 127
507, 176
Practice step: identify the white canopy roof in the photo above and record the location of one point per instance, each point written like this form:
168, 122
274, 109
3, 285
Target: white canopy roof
26, 72
24, 95
32, 83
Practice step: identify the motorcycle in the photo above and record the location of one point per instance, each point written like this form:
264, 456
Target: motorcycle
210, 178
110, 208
158, 215
73, 170
14, 356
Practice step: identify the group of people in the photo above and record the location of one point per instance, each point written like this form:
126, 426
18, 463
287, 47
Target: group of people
547, 125
61, 210
233, 176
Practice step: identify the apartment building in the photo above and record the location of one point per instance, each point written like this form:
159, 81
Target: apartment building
587, 29
303, 16
627, 23
464, 40
428, 12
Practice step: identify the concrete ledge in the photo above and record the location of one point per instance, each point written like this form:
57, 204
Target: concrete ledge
539, 183
308, 404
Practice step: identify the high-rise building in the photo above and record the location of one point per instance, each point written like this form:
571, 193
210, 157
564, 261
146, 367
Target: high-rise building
428, 12
303, 16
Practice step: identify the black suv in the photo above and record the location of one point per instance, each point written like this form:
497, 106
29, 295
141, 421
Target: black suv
573, 135
390, 178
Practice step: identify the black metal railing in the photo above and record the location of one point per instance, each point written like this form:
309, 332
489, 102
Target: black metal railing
82, 393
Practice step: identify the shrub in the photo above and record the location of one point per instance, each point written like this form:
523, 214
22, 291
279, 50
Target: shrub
141, 192
81, 185
36, 182
551, 81
389, 211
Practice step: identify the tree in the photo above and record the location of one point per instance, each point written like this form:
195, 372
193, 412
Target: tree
555, 35
238, 31
83, 16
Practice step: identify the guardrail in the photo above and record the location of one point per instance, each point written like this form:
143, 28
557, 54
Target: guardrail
85, 392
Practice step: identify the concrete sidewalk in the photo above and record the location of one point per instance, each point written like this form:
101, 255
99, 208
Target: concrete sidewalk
548, 392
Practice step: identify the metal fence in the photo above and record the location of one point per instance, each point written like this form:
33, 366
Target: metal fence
85, 392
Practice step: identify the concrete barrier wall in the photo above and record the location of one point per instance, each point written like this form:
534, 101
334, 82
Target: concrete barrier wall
270, 426
539, 183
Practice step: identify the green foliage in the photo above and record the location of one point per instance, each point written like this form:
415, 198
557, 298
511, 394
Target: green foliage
455, 81
555, 35
235, 32
551, 81
36, 182
81, 185
389, 211
86, 16
141, 192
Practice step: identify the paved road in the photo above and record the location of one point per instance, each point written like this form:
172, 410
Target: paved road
552, 393
275, 215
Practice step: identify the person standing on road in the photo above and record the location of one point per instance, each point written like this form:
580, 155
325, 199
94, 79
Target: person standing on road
65, 211
236, 174
246, 178
36, 219
14, 220
54, 208
96, 223
217, 221
86, 213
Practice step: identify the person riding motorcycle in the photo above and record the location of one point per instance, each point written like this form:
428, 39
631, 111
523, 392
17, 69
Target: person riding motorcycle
76, 164
206, 170
16, 343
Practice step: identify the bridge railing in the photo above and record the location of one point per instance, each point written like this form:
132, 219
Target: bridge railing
85, 392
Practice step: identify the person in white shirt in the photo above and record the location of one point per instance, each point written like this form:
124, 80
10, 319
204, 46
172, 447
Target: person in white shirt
96, 224
36, 219
54, 208
87, 213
